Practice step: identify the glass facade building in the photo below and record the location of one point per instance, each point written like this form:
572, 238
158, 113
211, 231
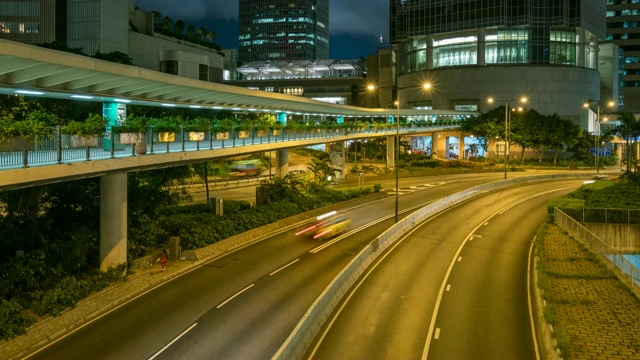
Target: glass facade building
470, 50
283, 30
432, 34
623, 29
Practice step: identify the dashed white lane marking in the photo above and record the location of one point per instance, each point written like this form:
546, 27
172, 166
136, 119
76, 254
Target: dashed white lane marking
437, 334
172, 341
411, 189
284, 266
459, 258
236, 294
448, 287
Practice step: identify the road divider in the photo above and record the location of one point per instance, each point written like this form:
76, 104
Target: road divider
307, 329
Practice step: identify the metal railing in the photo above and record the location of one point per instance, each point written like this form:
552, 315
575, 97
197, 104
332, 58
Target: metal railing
626, 271
602, 215
58, 148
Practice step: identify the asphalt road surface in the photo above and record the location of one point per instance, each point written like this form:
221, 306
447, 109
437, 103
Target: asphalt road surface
242, 305
455, 288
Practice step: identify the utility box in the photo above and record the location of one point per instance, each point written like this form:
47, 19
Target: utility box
174, 248
216, 205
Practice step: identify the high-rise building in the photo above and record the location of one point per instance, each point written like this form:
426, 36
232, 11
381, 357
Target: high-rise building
112, 25
93, 25
283, 30
505, 49
623, 29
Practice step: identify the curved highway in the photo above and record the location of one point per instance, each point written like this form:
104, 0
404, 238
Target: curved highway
242, 305
455, 288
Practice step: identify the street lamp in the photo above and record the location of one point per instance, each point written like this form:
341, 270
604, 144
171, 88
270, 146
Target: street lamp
522, 100
425, 86
596, 128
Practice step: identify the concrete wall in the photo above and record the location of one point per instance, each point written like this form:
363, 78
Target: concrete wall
624, 238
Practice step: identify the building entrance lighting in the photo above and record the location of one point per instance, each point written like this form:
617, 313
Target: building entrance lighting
507, 125
596, 128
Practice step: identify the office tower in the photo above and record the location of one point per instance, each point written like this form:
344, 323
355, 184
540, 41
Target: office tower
93, 25
283, 30
623, 29
470, 50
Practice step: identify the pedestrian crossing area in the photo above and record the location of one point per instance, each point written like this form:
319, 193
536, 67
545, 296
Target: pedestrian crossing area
410, 189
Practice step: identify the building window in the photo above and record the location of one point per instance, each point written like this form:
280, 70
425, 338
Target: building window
203, 72
455, 51
293, 90
507, 46
169, 67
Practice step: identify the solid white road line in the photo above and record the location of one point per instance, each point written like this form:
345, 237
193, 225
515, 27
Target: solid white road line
236, 294
533, 325
173, 341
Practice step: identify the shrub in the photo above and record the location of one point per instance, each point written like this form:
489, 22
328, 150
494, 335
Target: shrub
14, 319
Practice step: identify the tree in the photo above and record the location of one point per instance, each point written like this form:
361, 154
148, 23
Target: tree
179, 26
202, 33
629, 130
485, 126
165, 23
562, 134
191, 31
114, 56
522, 129
60, 46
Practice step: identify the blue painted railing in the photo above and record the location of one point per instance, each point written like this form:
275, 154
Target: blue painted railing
58, 149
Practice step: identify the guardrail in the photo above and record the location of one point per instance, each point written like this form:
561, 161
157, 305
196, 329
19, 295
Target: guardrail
623, 268
57, 149
308, 328
599, 215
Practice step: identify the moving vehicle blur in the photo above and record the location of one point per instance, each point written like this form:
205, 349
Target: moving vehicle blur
326, 226
241, 168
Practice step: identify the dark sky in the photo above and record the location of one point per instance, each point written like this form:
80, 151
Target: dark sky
355, 26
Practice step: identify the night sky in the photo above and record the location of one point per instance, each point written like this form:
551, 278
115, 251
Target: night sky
355, 26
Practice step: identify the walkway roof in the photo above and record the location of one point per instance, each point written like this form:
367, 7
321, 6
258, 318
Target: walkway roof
33, 70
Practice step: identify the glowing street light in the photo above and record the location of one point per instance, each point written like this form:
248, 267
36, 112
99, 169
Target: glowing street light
596, 128
522, 100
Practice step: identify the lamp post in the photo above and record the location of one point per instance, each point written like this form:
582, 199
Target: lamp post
506, 129
596, 129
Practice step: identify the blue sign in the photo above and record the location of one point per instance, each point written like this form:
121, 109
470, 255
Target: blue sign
601, 151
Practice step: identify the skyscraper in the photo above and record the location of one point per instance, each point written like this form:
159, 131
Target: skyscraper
283, 30
505, 49
623, 29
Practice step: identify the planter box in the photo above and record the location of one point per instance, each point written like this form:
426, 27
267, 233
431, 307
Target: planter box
166, 137
243, 134
196, 135
18, 143
131, 138
222, 135
261, 133
76, 141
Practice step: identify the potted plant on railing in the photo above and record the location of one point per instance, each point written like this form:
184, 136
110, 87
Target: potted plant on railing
85, 133
276, 128
243, 128
197, 128
261, 128
132, 130
221, 128
166, 127
22, 134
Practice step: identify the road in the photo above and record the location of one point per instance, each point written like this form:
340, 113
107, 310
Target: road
239, 306
468, 266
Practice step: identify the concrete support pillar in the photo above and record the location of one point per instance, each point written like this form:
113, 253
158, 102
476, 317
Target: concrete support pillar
391, 152
481, 48
282, 163
434, 144
429, 52
461, 147
580, 49
113, 220
619, 153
